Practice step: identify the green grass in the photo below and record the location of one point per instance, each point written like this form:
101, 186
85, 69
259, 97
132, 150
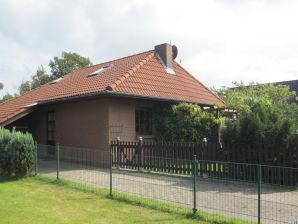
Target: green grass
45, 200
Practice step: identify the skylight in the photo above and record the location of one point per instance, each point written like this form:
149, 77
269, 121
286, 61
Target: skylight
102, 69
58, 80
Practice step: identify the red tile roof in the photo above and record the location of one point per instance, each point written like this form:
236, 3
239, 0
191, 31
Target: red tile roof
140, 74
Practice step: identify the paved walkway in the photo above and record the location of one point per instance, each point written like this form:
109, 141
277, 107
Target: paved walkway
227, 198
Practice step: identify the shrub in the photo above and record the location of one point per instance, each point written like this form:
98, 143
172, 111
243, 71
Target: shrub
16, 153
262, 127
183, 122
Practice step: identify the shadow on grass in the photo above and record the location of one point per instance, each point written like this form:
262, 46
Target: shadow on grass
4, 179
139, 201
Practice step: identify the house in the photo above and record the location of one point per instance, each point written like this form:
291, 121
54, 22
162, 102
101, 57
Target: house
92, 106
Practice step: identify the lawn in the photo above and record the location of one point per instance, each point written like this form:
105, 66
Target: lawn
33, 200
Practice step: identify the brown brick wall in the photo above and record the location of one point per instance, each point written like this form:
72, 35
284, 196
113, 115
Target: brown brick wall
78, 124
122, 118
88, 123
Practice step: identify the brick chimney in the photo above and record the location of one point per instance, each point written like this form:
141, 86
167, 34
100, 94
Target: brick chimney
165, 54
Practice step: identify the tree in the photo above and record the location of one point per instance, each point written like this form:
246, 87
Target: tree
243, 97
68, 62
40, 78
24, 87
262, 127
6, 97
1, 85
265, 117
183, 122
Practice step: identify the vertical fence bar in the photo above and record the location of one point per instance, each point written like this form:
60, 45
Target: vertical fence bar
36, 167
194, 174
111, 170
259, 192
140, 155
58, 159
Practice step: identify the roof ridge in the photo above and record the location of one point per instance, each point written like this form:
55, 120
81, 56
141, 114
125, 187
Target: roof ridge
200, 83
123, 77
112, 60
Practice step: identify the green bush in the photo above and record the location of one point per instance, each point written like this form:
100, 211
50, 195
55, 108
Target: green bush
262, 127
16, 153
183, 122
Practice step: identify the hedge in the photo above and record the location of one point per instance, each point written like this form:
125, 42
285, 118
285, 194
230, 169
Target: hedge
16, 153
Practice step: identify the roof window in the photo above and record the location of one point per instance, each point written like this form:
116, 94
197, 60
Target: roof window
58, 80
98, 71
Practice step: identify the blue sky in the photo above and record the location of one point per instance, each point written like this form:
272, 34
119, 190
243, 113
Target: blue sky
219, 41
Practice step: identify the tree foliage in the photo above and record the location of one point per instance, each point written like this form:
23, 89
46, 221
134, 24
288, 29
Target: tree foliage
24, 87
244, 97
262, 127
6, 97
68, 62
183, 122
40, 78
265, 117
1, 85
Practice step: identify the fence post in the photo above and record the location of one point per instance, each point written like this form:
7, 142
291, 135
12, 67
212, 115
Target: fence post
111, 170
36, 168
118, 156
58, 159
194, 174
296, 165
140, 155
259, 192
297, 148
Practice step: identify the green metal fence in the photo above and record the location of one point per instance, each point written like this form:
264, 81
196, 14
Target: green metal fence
204, 191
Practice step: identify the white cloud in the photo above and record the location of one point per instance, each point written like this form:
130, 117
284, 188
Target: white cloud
219, 41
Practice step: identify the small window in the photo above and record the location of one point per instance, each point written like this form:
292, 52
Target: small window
143, 119
97, 72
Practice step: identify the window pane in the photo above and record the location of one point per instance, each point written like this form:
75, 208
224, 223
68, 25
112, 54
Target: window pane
51, 116
51, 128
143, 121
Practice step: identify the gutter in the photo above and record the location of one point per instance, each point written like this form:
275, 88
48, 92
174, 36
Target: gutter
123, 94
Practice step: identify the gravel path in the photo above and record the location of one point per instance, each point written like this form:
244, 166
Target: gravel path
227, 198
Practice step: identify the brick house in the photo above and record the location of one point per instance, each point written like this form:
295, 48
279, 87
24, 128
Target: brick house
91, 106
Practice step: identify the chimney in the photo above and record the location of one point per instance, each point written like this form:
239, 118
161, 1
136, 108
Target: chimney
165, 54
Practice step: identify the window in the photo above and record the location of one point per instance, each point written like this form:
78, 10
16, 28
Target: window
58, 80
143, 118
97, 72
51, 128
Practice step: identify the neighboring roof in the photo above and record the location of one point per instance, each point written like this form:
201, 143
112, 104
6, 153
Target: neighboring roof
138, 75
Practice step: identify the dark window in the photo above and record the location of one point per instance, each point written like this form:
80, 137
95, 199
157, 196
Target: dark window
51, 128
144, 121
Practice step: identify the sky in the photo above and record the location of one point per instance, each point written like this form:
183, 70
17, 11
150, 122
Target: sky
218, 41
